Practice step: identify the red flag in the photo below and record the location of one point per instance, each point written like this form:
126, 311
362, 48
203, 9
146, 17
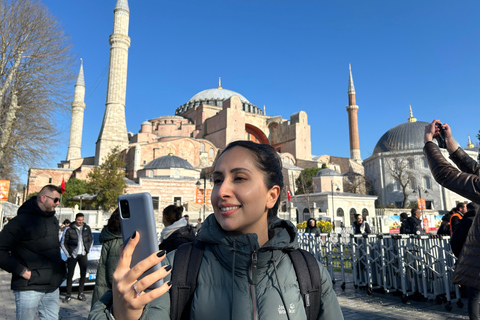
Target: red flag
289, 195
63, 185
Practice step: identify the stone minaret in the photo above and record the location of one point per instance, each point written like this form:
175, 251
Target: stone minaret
76, 125
352, 110
113, 132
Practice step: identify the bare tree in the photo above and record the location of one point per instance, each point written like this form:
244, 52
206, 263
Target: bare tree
35, 74
401, 172
356, 183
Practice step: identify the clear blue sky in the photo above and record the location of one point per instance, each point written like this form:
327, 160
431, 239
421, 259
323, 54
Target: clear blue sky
288, 56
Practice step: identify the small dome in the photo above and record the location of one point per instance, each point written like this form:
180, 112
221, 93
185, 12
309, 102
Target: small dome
327, 172
146, 122
405, 136
167, 162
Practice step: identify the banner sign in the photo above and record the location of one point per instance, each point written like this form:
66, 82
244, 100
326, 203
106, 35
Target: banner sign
199, 196
4, 189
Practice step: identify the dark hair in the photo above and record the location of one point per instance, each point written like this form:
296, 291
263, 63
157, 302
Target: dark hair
51, 188
268, 162
460, 205
172, 213
472, 206
404, 215
66, 221
113, 224
357, 215
414, 211
79, 215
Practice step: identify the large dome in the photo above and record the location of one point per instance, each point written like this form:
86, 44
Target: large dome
215, 97
405, 136
217, 94
167, 162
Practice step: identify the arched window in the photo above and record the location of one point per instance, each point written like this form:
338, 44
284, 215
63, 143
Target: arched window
364, 212
411, 163
202, 147
211, 153
340, 212
176, 174
150, 173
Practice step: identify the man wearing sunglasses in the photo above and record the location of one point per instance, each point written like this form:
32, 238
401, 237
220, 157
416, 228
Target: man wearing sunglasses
30, 251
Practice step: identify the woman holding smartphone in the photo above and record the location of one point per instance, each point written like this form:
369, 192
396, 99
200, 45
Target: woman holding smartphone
246, 272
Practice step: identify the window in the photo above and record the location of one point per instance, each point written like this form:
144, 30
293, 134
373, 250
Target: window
340, 212
211, 153
49, 180
413, 183
399, 204
306, 214
156, 203
411, 163
364, 212
427, 182
425, 163
150, 173
176, 174
202, 147
177, 201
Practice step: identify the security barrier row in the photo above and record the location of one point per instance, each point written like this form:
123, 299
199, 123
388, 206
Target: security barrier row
420, 265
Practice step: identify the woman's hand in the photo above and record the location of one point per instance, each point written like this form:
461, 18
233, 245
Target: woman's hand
127, 304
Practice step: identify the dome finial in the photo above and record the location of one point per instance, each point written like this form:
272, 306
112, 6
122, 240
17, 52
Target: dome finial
170, 153
412, 118
219, 83
470, 144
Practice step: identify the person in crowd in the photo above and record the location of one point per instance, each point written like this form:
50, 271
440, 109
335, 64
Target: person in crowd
413, 224
243, 230
198, 226
465, 181
457, 215
444, 229
111, 239
360, 226
460, 234
312, 226
403, 221
64, 225
30, 251
187, 218
77, 240
177, 231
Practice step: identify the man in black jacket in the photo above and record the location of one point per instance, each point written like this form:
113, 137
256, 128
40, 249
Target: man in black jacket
414, 224
77, 240
30, 251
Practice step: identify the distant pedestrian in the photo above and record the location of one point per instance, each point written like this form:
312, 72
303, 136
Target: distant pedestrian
187, 218
111, 239
457, 215
198, 226
414, 224
77, 240
312, 226
444, 229
360, 226
403, 221
64, 225
30, 251
177, 231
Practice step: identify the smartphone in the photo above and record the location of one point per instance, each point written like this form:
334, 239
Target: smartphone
136, 214
440, 137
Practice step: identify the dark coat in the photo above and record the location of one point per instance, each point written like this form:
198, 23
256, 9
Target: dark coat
177, 238
111, 243
465, 182
30, 241
310, 229
460, 234
70, 239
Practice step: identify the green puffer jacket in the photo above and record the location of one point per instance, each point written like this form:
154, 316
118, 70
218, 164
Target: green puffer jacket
109, 257
240, 281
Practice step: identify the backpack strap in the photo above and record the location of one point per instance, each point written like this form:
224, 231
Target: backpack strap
186, 265
309, 281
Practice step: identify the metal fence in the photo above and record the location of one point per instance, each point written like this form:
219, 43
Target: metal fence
410, 265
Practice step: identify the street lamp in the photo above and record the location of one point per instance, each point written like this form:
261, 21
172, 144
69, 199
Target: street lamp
333, 203
204, 195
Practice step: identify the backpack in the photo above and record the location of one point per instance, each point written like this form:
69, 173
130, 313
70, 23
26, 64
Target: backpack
188, 259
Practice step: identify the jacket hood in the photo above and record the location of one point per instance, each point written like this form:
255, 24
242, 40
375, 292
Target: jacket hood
31, 206
107, 235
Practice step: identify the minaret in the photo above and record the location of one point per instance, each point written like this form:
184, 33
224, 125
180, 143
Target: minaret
113, 132
352, 110
76, 125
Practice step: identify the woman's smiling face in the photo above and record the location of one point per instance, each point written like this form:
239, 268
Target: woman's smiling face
240, 197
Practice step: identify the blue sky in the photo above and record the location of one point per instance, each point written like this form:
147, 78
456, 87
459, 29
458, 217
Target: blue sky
288, 56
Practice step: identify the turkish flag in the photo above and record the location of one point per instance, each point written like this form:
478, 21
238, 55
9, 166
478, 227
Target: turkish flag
289, 195
63, 185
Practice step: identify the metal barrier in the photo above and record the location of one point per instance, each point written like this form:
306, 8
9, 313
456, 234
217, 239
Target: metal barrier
420, 265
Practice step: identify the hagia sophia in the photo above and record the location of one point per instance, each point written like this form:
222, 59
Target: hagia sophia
170, 155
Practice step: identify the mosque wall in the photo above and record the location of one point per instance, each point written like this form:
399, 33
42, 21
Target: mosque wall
39, 177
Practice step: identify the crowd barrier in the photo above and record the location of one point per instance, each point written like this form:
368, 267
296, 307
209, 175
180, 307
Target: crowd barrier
420, 265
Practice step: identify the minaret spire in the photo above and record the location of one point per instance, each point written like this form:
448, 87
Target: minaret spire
352, 110
76, 124
113, 132
412, 118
